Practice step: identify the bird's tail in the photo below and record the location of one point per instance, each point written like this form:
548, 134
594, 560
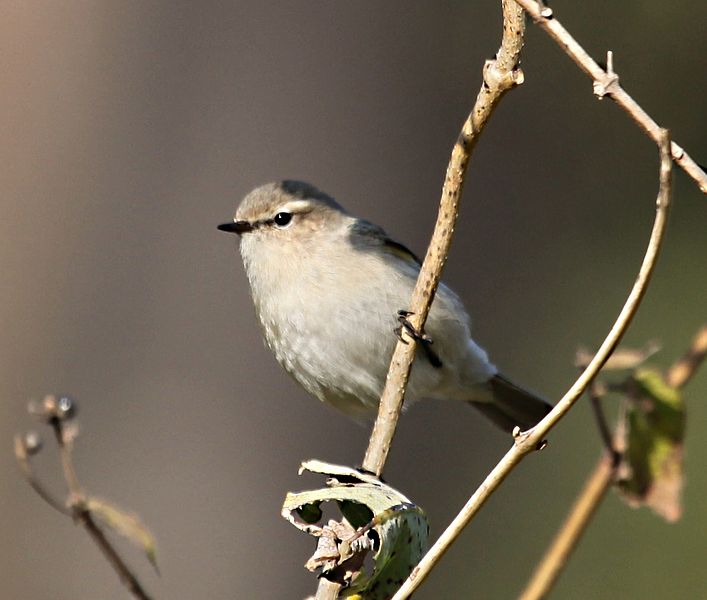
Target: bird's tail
512, 406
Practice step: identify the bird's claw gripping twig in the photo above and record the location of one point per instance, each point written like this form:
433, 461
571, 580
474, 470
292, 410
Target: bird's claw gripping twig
416, 334
419, 336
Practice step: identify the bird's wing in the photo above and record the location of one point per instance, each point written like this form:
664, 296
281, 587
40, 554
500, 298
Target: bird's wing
400, 250
365, 232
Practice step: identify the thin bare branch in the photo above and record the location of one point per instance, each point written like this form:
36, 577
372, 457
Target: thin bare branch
595, 488
606, 83
65, 449
23, 461
602, 424
84, 517
57, 413
500, 75
82, 514
327, 590
533, 439
684, 368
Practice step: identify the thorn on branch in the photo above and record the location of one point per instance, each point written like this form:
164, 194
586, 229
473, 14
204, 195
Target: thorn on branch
607, 84
580, 56
544, 10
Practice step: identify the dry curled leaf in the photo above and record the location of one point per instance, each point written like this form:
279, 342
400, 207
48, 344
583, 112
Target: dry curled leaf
126, 524
654, 433
377, 519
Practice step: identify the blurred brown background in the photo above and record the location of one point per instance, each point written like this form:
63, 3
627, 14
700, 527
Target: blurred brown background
131, 129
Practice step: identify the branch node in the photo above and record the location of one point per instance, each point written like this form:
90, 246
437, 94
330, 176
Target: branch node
524, 443
498, 79
544, 10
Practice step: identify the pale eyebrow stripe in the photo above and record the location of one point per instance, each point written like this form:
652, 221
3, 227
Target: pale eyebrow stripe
297, 206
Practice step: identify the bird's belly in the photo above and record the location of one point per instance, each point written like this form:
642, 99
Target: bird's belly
338, 353
341, 354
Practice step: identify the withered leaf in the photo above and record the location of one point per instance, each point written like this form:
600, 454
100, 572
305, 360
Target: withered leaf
126, 524
655, 429
376, 519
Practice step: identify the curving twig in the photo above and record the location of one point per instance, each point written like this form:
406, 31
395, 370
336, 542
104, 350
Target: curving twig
24, 447
533, 439
606, 83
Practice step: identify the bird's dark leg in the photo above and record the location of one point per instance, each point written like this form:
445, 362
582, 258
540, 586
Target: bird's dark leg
421, 337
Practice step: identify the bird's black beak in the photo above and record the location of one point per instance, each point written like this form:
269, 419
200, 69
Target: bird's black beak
238, 227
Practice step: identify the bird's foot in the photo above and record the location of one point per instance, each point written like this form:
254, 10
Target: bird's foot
419, 336
416, 334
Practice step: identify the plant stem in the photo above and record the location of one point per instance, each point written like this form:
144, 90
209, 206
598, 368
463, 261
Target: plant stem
586, 504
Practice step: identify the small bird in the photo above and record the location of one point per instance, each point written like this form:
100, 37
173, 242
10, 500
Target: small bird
329, 289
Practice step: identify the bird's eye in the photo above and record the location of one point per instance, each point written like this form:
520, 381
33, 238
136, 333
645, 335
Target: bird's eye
282, 219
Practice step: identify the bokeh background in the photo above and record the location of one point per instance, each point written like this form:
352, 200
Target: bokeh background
131, 129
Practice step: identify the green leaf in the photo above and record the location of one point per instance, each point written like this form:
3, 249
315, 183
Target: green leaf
126, 524
654, 445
